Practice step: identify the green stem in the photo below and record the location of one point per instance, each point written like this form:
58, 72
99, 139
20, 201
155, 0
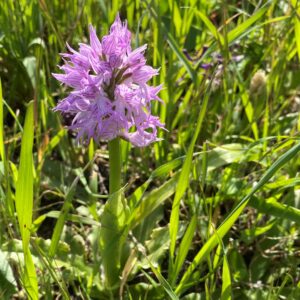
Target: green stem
112, 220
115, 165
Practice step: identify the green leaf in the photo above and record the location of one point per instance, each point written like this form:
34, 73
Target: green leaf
272, 207
165, 284
183, 181
157, 245
112, 235
24, 201
2, 153
62, 219
70, 217
184, 248
248, 235
225, 154
258, 267
241, 28
136, 196
226, 281
249, 111
234, 214
297, 25
211, 27
152, 200
174, 46
30, 65
7, 280
238, 266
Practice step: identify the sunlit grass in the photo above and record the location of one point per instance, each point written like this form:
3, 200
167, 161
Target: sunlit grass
212, 211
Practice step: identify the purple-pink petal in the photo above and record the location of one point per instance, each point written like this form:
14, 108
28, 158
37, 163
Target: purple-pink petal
110, 96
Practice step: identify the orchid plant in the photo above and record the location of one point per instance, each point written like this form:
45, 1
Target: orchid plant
110, 99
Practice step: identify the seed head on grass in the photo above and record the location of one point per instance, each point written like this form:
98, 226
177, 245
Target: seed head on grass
110, 96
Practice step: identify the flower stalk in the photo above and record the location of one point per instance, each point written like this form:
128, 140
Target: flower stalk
115, 165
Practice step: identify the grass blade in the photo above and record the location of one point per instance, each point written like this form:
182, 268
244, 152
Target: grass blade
8, 197
62, 218
184, 248
174, 46
218, 36
241, 28
226, 281
152, 200
234, 214
2, 153
24, 201
164, 283
183, 181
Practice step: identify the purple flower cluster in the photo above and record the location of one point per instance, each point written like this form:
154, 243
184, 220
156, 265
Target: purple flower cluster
110, 95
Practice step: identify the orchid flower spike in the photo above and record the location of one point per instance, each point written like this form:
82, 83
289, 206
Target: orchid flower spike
110, 96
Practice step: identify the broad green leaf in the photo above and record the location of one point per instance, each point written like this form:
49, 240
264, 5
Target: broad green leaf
272, 207
238, 266
37, 42
157, 245
24, 188
258, 267
225, 154
7, 280
113, 232
30, 65
177, 20
24, 201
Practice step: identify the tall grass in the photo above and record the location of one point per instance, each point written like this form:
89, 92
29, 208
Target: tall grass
211, 212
